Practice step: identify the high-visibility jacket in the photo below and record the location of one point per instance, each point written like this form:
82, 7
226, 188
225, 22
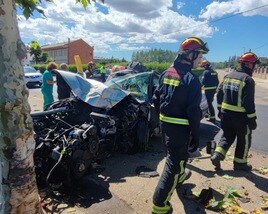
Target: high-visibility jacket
102, 70
235, 95
210, 79
178, 97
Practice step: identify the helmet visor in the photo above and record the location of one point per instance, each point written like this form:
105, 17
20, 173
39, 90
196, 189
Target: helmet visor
203, 49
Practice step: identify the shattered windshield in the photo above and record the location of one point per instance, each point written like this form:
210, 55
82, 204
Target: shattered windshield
135, 84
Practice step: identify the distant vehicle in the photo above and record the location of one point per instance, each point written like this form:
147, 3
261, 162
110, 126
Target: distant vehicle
32, 76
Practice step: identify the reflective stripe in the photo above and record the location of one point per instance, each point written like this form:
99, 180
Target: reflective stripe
235, 81
247, 140
214, 74
173, 120
252, 115
160, 210
232, 107
220, 150
239, 160
210, 88
219, 105
240, 85
172, 82
177, 179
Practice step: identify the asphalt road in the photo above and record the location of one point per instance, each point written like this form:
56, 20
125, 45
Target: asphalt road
259, 137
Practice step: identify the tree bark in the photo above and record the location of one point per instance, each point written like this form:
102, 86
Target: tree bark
18, 190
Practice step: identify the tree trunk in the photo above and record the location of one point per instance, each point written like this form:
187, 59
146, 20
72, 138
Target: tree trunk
18, 190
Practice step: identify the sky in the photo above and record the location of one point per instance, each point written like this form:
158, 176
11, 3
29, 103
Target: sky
118, 28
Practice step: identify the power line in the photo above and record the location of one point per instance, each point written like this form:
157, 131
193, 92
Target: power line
261, 46
236, 14
227, 17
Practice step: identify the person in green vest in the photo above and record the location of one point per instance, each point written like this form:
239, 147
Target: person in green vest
103, 73
47, 85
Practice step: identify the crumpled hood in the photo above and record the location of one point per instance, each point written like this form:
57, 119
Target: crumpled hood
93, 92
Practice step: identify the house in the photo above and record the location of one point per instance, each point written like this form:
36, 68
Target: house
64, 52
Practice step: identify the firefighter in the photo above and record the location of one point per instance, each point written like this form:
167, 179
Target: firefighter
235, 97
177, 100
103, 73
210, 83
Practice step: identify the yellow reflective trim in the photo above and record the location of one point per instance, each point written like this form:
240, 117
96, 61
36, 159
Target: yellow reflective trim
219, 105
176, 181
240, 84
182, 178
210, 88
214, 74
232, 107
172, 82
220, 150
235, 81
252, 115
247, 136
239, 160
160, 210
173, 120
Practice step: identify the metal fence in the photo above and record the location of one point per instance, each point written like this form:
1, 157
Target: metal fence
261, 72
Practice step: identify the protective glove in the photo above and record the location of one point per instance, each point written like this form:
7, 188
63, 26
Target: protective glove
193, 146
252, 124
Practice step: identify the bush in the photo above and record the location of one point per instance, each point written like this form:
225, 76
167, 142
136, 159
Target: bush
40, 67
156, 66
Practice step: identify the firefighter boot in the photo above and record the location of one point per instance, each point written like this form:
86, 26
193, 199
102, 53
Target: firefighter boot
216, 159
242, 166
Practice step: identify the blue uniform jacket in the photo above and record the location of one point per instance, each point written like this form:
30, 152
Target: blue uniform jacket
182, 101
210, 79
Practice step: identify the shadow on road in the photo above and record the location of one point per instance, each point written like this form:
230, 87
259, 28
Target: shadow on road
259, 181
127, 165
190, 206
90, 190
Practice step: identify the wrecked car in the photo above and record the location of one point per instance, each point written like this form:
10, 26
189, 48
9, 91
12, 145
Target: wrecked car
98, 119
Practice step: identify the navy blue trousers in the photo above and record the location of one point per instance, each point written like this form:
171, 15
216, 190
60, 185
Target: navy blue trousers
176, 139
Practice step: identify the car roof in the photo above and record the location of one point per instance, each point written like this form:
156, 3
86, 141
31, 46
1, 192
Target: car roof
29, 69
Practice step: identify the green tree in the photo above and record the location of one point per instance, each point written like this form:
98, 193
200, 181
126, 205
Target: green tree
45, 58
154, 55
18, 190
35, 50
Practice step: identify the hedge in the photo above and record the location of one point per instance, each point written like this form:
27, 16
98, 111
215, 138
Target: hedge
156, 66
